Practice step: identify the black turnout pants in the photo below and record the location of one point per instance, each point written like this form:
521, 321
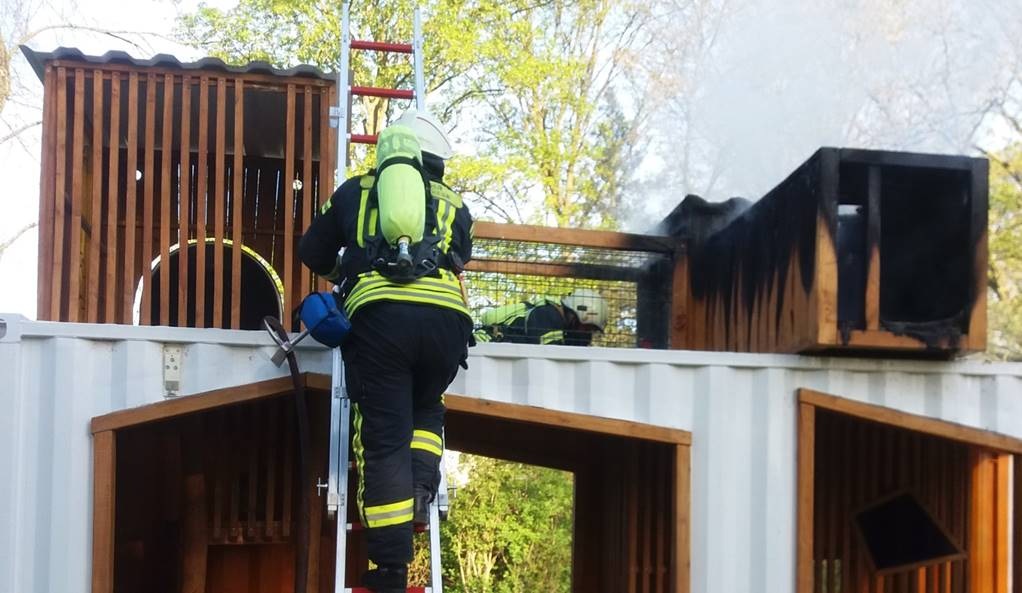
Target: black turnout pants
398, 360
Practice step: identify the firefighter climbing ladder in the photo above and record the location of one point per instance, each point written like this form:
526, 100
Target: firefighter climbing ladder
340, 405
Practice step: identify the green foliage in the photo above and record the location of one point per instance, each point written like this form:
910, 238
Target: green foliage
535, 81
1006, 254
509, 530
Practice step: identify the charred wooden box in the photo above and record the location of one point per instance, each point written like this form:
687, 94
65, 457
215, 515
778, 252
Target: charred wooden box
856, 250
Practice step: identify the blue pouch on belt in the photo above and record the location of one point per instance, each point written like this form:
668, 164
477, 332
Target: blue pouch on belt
326, 323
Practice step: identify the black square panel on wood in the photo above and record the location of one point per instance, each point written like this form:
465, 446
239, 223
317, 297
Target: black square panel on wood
899, 533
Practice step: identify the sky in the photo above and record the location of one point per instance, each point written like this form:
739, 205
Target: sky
19, 163
781, 78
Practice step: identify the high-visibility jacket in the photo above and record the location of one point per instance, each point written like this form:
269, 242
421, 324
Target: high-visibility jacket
538, 321
349, 220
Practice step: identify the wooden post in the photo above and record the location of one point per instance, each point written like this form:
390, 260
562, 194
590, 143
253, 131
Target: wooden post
96, 205
131, 201
74, 252
681, 559
104, 456
194, 529
307, 188
184, 199
201, 203
804, 502
148, 179
873, 250
112, 199
167, 179
219, 209
289, 199
679, 299
237, 199
52, 120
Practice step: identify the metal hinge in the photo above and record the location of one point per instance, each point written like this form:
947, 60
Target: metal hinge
172, 370
336, 114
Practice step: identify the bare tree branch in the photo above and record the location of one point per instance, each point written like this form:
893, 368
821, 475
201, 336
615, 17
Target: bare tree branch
15, 132
17, 235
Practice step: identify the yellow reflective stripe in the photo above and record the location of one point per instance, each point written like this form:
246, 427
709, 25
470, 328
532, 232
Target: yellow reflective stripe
554, 336
373, 214
448, 228
356, 445
428, 441
361, 216
441, 192
441, 221
367, 283
411, 297
421, 291
389, 514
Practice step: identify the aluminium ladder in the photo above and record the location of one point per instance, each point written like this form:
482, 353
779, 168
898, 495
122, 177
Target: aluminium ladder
340, 405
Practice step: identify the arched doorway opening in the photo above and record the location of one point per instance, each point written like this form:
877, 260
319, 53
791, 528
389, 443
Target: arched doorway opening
262, 296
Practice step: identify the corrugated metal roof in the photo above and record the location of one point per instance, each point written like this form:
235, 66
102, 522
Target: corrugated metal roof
740, 409
38, 59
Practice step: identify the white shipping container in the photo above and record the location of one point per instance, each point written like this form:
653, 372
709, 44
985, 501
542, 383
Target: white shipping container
740, 409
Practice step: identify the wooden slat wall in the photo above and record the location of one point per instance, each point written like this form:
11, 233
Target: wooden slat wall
857, 463
102, 228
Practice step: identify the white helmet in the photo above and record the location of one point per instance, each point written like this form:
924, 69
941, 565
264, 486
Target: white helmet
432, 137
588, 305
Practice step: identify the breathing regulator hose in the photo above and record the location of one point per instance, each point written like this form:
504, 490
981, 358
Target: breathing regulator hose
280, 336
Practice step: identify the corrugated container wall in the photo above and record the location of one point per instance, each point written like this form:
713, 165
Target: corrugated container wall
740, 409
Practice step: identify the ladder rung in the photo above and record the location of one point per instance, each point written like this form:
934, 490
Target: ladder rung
363, 138
417, 527
400, 48
372, 91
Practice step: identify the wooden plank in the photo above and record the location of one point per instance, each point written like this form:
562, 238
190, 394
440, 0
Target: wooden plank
60, 199
873, 249
74, 297
1002, 523
823, 315
113, 195
806, 472
194, 534
201, 203
307, 185
631, 518
1016, 526
288, 474
680, 293
271, 439
646, 510
941, 428
289, 198
184, 200
148, 181
583, 238
976, 340
196, 403
104, 504
47, 194
251, 432
555, 270
981, 522
565, 420
167, 180
681, 536
94, 282
237, 200
131, 201
219, 205
662, 488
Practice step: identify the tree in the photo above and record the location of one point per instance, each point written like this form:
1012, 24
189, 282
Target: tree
509, 530
1005, 272
535, 80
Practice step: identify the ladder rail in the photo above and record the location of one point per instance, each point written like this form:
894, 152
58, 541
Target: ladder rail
340, 404
420, 84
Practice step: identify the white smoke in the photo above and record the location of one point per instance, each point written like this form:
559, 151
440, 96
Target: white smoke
783, 78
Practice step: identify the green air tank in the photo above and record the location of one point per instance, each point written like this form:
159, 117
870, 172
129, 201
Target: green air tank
399, 187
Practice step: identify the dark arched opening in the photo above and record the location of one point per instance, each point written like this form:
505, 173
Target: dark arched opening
260, 296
